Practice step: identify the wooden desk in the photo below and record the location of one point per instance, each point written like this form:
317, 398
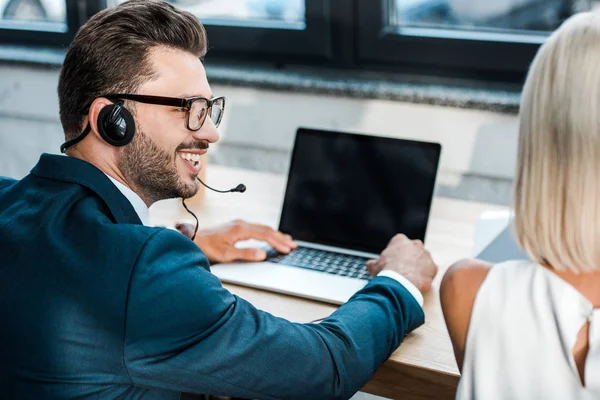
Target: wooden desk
424, 366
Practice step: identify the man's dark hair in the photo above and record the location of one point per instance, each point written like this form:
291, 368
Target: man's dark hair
110, 53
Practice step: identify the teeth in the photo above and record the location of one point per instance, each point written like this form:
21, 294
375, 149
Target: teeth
190, 157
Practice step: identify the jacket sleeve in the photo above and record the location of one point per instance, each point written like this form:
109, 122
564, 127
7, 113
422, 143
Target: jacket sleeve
185, 332
6, 182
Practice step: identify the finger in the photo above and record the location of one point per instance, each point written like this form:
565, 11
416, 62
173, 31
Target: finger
285, 240
186, 229
276, 239
430, 266
401, 238
426, 287
275, 242
280, 248
234, 254
291, 241
417, 243
373, 267
398, 238
434, 270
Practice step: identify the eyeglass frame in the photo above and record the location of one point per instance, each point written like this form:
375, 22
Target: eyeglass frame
174, 102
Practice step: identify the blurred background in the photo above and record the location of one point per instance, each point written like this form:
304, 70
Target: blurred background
448, 71
492, 15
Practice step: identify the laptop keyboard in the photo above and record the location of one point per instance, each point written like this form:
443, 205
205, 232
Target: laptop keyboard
324, 261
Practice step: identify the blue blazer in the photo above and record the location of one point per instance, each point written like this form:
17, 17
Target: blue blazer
95, 305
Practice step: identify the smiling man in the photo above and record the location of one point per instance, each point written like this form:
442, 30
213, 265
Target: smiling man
97, 304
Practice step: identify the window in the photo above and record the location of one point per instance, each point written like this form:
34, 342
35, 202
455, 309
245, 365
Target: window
38, 11
265, 30
242, 11
285, 11
485, 39
40, 22
491, 38
491, 15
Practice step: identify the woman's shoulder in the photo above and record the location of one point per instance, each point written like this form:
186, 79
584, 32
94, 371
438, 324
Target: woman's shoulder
468, 270
460, 287
462, 280
458, 291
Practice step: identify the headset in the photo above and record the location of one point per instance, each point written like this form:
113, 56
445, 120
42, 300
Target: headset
117, 127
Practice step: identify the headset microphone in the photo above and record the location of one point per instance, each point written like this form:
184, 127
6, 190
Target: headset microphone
241, 188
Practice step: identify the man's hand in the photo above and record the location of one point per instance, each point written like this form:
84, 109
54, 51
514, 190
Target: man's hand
218, 244
408, 258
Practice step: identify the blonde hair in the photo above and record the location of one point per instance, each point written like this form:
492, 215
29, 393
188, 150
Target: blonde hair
557, 191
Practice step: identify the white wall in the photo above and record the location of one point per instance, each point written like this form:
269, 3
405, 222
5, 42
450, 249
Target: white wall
264, 122
476, 142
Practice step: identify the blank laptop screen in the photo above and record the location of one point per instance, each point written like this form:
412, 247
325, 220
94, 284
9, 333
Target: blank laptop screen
357, 192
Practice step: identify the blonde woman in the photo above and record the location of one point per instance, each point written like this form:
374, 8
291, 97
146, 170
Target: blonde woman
531, 330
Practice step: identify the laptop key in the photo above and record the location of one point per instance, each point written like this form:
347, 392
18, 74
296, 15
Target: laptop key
323, 261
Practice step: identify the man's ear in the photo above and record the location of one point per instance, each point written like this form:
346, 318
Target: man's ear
93, 113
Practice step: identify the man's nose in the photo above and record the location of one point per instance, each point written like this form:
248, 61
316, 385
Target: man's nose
208, 132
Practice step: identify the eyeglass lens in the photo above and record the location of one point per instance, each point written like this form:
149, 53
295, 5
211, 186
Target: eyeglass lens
199, 109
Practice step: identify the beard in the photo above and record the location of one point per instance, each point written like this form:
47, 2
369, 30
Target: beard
153, 171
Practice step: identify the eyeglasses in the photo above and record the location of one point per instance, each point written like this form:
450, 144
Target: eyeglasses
196, 107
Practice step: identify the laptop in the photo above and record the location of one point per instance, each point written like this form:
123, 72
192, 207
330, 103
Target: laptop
347, 195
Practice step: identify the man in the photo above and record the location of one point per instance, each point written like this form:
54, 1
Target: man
95, 303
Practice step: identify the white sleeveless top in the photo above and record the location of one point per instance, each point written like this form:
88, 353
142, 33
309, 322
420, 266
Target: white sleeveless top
523, 328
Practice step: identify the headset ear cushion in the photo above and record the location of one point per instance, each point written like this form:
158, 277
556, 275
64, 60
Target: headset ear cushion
116, 125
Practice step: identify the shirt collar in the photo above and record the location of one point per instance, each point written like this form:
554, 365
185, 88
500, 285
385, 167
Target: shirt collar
136, 201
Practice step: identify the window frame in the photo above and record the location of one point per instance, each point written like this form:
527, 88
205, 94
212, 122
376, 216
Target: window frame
32, 33
443, 52
277, 43
343, 34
